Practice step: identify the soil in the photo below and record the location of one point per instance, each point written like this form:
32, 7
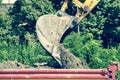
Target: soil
18, 65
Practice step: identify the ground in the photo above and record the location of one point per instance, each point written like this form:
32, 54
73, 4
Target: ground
18, 65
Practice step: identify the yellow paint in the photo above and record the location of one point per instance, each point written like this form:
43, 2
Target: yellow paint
65, 5
90, 3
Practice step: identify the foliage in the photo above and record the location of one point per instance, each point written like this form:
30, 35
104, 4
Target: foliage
0, 2
118, 52
22, 53
5, 22
86, 48
104, 23
5, 27
111, 10
57, 4
24, 15
118, 75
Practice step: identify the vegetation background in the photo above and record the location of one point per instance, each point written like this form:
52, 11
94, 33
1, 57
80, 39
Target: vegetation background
98, 42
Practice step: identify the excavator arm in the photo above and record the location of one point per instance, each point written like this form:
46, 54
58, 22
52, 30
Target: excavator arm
83, 8
50, 28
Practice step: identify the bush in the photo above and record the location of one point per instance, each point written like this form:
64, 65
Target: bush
27, 54
118, 75
86, 48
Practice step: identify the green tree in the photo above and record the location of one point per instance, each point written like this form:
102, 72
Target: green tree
0, 2
103, 22
24, 15
111, 34
5, 27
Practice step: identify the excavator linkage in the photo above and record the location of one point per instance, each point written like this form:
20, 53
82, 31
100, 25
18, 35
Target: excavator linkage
50, 28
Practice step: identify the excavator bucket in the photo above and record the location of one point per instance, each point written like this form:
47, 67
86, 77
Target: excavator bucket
50, 28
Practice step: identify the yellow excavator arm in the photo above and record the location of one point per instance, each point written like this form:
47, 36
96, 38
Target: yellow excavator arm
51, 27
83, 8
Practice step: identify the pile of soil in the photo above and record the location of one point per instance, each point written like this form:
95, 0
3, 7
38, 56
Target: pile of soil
18, 65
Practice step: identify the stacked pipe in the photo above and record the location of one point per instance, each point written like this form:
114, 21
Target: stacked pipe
60, 74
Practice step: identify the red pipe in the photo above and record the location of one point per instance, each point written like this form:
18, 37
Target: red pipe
52, 76
54, 71
108, 73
